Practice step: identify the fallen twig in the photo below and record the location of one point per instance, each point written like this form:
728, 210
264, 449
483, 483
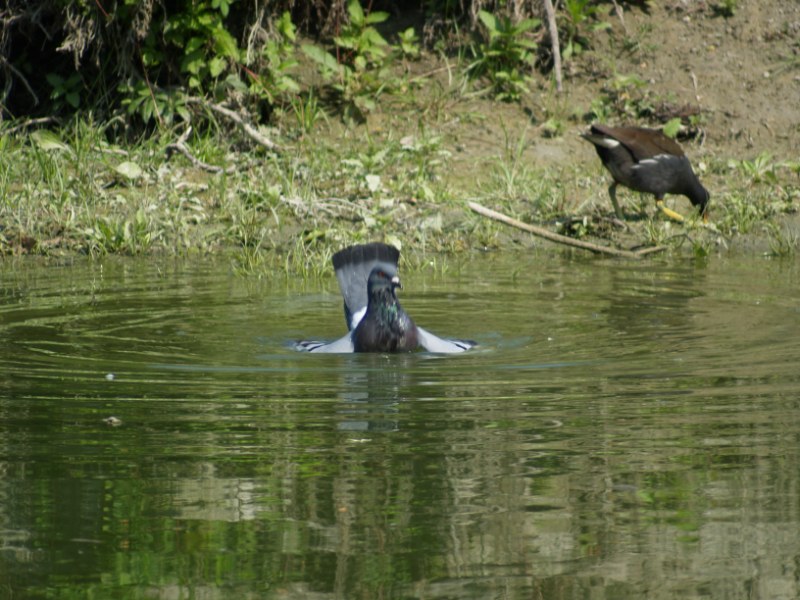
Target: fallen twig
29, 123
251, 131
181, 147
618, 10
561, 239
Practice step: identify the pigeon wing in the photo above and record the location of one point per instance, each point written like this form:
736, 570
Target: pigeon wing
433, 343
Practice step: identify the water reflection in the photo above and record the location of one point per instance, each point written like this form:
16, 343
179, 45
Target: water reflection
626, 430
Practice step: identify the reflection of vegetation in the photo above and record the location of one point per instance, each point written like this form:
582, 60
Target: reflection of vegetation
782, 242
236, 473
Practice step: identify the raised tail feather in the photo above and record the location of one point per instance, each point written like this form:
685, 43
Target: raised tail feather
353, 266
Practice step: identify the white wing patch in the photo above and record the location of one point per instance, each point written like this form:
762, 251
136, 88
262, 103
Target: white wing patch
654, 160
608, 142
356, 317
433, 343
344, 345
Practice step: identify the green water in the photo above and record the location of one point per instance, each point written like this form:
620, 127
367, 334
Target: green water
625, 430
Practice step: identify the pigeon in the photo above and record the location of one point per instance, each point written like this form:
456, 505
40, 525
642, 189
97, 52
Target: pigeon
367, 275
647, 161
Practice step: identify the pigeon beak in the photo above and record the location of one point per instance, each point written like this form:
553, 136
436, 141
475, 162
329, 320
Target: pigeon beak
396, 282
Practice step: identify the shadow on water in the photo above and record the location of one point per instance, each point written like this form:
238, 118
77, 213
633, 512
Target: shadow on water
625, 430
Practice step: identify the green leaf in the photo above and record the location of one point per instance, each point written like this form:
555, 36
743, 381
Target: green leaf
374, 37
489, 20
377, 17
216, 66
528, 24
54, 80
193, 45
672, 127
286, 27
345, 42
225, 44
319, 55
47, 140
193, 62
222, 5
373, 182
129, 169
356, 12
236, 83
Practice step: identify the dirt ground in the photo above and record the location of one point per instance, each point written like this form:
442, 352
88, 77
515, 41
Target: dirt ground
740, 73
736, 71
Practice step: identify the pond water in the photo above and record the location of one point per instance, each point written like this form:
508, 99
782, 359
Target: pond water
624, 430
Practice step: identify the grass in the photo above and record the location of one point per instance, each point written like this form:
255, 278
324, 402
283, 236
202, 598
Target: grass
287, 212
403, 176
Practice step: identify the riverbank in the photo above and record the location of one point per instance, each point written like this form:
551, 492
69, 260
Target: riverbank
433, 144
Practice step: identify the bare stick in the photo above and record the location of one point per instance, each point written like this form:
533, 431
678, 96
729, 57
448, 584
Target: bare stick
552, 30
618, 10
29, 123
559, 239
7, 64
181, 147
248, 128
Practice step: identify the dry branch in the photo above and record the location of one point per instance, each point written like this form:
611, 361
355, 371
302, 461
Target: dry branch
251, 131
552, 30
29, 123
181, 147
560, 239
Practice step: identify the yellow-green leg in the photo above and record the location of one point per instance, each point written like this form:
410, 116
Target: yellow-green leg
612, 191
668, 211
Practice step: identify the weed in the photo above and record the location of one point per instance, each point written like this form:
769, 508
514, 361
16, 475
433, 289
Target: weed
156, 104
506, 57
120, 235
624, 97
672, 127
307, 111
553, 127
782, 242
275, 79
574, 23
65, 90
639, 43
656, 232
725, 8
360, 74
741, 213
408, 44
759, 170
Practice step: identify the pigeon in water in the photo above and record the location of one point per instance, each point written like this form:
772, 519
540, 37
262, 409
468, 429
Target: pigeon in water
367, 276
647, 161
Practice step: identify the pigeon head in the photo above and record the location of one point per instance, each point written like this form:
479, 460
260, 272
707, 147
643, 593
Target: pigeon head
382, 283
